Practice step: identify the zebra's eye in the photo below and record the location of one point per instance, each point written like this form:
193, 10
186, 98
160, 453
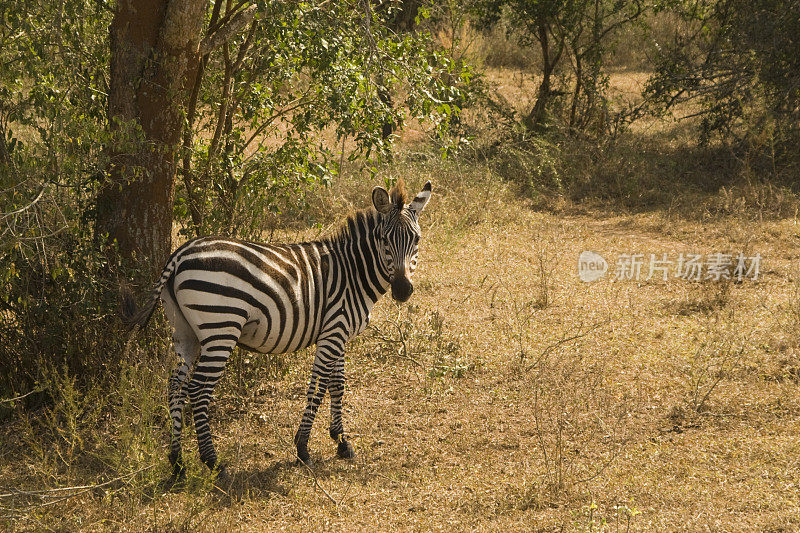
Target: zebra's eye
416, 239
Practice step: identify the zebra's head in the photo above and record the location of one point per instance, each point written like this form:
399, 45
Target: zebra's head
399, 234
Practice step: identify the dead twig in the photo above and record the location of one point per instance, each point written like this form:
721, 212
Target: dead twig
11, 400
316, 483
311, 472
564, 340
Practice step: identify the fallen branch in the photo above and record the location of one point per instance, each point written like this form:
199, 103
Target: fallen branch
316, 483
57, 493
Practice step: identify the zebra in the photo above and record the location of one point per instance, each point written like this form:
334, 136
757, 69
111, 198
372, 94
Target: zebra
219, 293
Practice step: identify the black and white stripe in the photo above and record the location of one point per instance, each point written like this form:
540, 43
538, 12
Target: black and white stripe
219, 293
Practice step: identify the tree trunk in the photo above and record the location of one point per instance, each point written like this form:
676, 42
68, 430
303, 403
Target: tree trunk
189, 180
535, 119
576, 93
154, 58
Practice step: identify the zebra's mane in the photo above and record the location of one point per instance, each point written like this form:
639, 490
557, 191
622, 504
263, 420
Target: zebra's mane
345, 228
398, 197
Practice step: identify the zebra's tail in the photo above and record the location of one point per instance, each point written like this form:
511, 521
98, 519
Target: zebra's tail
133, 317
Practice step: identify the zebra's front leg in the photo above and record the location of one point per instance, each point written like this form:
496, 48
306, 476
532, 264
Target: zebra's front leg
317, 388
336, 387
326, 355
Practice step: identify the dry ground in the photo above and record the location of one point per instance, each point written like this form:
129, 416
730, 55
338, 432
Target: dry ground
507, 395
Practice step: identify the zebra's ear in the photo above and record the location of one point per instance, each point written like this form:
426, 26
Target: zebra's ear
418, 204
380, 199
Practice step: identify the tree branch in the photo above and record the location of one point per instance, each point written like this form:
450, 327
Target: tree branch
23, 209
228, 30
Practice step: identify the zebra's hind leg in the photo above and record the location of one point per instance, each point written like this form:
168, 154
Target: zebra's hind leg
336, 387
187, 347
214, 354
177, 399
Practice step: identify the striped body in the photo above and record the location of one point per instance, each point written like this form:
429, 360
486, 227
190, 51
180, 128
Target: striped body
273, 298
269, 298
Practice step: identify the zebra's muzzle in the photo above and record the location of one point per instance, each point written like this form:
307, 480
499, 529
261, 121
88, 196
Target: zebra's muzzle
402, 288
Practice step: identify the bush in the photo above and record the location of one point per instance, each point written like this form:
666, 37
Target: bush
738, 61
59, 308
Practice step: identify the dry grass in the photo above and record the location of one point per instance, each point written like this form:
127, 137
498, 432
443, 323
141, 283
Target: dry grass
508, 395
481, 407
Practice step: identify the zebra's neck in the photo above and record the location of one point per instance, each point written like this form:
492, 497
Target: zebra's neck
360, 258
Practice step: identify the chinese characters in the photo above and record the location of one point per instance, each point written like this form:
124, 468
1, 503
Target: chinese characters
686, 266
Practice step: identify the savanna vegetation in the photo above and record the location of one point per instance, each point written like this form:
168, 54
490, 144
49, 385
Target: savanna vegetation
507, 394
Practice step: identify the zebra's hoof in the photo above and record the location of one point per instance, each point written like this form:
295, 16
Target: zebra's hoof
303, 457
304, 462
222, 480
344, 450
175, 481
221, 474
